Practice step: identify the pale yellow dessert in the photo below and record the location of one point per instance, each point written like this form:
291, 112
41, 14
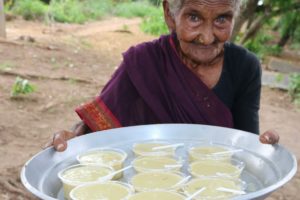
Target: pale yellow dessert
148, 149
79, 174
156, 181
211, 186
215, 168
102, 191
209, 152
111, 157
156, 163
157, 195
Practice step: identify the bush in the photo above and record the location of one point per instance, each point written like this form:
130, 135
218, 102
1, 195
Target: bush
155, 23
155, 2
134, 9
96, 9
22, 86
294, 87
261, 46
74, 11
30, 9
66, 11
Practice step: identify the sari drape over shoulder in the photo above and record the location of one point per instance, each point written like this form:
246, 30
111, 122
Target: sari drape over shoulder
152, 85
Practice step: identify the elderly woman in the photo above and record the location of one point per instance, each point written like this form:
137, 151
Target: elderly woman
194, 75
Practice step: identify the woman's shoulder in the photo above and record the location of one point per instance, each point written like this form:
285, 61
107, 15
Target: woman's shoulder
240, 53
241, 58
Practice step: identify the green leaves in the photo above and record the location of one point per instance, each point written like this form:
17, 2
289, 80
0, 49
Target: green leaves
294, 87
22, 86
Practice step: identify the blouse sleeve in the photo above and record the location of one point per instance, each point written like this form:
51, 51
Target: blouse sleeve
247, 102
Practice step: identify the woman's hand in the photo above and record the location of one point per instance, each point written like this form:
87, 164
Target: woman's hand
269, 137
59, 140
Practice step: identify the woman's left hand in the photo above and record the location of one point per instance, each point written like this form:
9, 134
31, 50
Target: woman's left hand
269, 137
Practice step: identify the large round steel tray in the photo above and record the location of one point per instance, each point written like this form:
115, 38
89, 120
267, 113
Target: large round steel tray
268, 167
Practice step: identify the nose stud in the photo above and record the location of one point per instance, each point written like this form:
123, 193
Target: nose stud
200, 40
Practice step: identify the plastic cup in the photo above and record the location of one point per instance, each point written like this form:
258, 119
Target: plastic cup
79, 174
157, 195
157, 181
111, 190
148, 149
156, 164
205, 151
211, 185
216, 168
105, 156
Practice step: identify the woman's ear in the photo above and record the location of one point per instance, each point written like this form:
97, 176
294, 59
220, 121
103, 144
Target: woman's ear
169, 18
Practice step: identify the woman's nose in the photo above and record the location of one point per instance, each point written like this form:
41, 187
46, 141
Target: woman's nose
206, 35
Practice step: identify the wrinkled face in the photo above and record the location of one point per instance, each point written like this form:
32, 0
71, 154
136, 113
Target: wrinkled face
202, 27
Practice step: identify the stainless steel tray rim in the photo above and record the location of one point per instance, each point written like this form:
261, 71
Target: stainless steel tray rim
28, 186
248, 196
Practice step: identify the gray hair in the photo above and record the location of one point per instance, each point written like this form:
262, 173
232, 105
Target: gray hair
176, 5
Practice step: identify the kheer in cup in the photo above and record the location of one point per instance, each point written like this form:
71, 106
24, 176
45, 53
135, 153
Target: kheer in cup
105, 156
215, 168
79, 174
157, 181
156, 195
110, 190
211, 186
156, 163
205, 152
148, 149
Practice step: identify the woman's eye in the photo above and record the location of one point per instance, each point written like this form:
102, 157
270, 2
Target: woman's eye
221, 20
194, 18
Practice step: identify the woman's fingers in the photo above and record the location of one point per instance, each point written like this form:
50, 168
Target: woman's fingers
59, 140
269, 137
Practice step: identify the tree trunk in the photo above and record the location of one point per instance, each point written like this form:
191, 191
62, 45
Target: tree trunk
254, 28
2, 20
284, 39
247, 10
289, 32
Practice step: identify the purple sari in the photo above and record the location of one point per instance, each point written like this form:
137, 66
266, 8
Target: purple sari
152, 85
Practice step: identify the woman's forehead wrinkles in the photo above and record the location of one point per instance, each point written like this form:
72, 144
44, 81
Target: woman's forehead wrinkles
209, 3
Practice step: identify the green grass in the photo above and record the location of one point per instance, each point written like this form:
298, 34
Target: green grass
6, 65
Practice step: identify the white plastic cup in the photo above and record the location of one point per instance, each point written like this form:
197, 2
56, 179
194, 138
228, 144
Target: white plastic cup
105, 156
157, 195
110, 190
75, 175
148, 149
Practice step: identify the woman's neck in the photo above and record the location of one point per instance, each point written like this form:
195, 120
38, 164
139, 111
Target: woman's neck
208, 73
195, 65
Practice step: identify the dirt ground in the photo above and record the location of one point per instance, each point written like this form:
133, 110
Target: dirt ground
69, 64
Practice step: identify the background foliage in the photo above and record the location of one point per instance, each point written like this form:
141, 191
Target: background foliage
263, 26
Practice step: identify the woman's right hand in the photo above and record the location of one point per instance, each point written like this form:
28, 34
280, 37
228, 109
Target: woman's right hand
59, 139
